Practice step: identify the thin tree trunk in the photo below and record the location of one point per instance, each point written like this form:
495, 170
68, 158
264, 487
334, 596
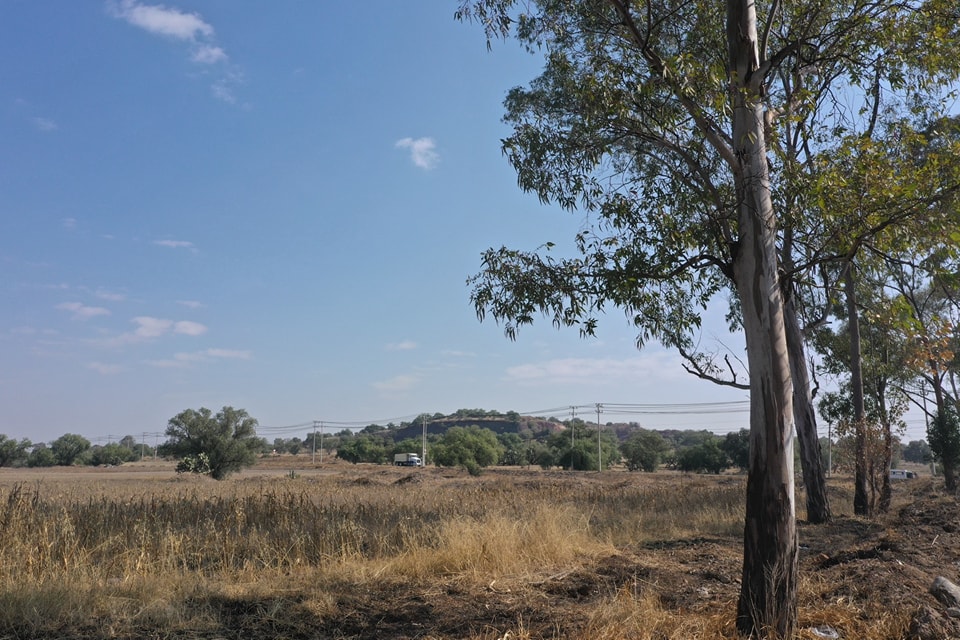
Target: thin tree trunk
861, 501
949, 470
768, 591
886, 492
811, 460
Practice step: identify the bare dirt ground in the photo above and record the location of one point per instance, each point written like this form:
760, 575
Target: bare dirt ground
858, 570
854, 572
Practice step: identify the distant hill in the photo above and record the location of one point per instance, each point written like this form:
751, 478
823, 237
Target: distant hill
497, 424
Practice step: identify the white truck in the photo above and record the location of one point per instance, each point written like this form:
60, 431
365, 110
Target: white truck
407, 460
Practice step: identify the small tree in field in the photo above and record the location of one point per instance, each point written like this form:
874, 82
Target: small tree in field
643, 450
469, 447
218, 444
68, 448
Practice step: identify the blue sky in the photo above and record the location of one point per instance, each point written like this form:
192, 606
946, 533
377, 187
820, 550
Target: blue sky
274, 206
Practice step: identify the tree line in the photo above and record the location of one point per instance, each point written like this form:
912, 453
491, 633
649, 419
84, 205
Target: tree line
70, 449
219, 444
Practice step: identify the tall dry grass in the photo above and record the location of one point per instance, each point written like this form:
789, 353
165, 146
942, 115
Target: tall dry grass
112, 559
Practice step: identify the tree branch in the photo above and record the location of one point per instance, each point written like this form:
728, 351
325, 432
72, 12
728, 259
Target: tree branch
706, 370
710, 131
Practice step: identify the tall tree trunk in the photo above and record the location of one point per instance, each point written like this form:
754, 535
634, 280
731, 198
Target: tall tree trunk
861, 502
768, 591
811, 460
947, 461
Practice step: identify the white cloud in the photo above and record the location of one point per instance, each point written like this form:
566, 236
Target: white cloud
179, 361
596, 371
109, 295
190, 304
105, 369
223, 88
454, 353
81, 311
175, 244
422, 151
45, 124
148, 327
184, 360
223, 91
183, 26
24, 331
161, 20
397, 384
406, 345
230, 354
189, 328
209, 54
69, 223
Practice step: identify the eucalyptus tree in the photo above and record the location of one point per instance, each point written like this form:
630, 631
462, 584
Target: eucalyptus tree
873, 414
891, 189
893, 219
929, 298
662, 120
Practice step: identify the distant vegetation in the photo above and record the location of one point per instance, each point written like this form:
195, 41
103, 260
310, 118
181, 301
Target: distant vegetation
471, 439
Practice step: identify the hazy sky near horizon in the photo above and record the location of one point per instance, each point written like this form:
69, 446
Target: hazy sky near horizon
275, 206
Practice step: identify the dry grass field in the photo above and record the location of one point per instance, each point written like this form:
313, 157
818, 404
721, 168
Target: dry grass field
359, 551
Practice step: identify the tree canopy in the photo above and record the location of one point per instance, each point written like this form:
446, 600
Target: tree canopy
700, 139
469, 447
68, 448
218, 444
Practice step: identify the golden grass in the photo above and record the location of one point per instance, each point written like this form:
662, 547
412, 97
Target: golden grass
77, 553
172, 557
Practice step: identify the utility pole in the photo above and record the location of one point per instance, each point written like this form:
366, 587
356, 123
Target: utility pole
599, 448
423, 443
321, 443
313, 441
143, 443
573, 427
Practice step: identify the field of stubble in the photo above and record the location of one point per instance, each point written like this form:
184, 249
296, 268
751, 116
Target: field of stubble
291, 550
